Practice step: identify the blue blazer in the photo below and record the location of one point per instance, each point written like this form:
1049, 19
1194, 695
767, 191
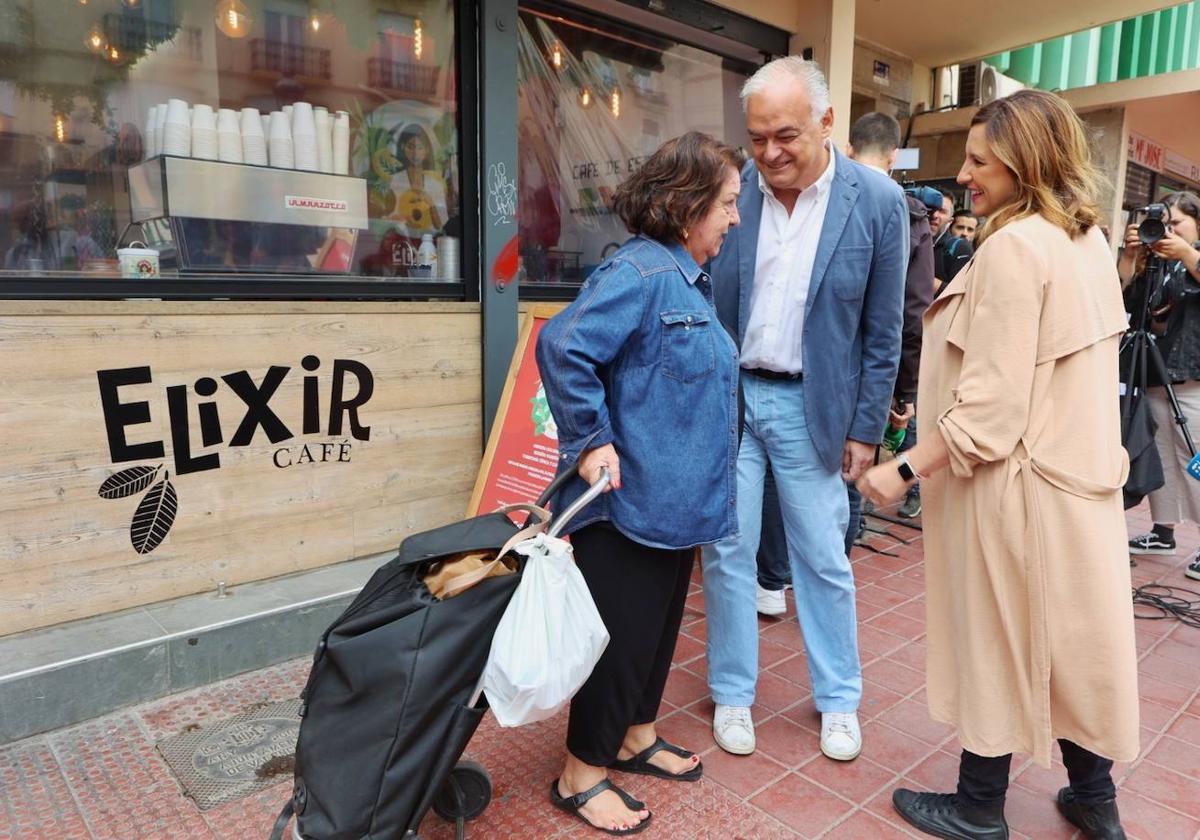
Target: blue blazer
855, 306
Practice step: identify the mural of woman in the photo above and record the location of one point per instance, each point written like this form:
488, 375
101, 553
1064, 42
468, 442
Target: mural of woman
420, 191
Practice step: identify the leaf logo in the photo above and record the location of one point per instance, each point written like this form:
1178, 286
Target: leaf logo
156, 511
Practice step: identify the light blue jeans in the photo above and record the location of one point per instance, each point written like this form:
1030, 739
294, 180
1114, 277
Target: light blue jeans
815, 514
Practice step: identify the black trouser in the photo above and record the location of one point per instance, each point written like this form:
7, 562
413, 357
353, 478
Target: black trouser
640, 593
985, 780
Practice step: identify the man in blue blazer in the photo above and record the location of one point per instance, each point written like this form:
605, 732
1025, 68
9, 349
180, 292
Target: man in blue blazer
811, 285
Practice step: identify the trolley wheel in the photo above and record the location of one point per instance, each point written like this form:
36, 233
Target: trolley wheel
474, 792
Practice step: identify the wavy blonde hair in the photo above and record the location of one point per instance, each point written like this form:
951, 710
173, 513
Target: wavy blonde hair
1043, 143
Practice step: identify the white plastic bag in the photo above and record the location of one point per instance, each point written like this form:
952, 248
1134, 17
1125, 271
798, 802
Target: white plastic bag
548, 640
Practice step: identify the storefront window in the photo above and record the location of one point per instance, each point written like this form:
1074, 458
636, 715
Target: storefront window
237, 138
595, 98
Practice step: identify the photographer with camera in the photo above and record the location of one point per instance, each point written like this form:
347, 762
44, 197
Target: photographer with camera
1170, 232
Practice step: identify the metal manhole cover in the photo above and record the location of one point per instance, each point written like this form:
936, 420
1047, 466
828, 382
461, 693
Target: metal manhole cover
235, 757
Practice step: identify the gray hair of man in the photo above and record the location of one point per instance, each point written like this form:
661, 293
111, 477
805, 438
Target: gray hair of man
791, 68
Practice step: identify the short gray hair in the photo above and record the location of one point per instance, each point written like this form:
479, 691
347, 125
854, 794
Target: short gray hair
791, 68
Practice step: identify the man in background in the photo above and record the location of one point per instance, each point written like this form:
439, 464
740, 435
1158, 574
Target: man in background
950, 252
964, 225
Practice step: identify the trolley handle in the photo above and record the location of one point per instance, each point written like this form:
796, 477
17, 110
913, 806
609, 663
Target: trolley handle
556, 485
579, 504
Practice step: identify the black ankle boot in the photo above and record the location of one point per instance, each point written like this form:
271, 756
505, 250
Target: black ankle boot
1097, 821
945, 815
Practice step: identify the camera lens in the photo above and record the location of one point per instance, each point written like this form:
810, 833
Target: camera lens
1151, 231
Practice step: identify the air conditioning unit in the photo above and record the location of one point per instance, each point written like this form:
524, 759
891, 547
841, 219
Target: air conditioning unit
981, 83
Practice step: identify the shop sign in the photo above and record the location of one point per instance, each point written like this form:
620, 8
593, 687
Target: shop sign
1145, 152
1179, 165
156, 511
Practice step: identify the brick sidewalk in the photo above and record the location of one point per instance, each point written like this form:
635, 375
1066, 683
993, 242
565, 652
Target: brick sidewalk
104, 779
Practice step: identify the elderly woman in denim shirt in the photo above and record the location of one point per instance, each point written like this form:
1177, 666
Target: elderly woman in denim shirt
642, 380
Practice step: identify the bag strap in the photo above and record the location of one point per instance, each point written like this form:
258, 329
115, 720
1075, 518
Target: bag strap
457, 584
281, 823
536, 512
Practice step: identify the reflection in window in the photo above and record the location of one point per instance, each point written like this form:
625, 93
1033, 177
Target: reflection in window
78, 82
594, 100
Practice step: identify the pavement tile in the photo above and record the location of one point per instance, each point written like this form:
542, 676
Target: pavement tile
1187, 728
35, 800
1165, 787
892, 748
1151, 821
741, 774
769, 653
123, 787
1155, 716
787, 742
1155, 664
794, 669
1179, 756
876, 700
862, 825
912, 718
776, 694
686, 649
856, 780
686, 730
684, 687
897, 677
874, 641
881, 597
1035, 815
1161, 691
903, 584
802, 805
898, 625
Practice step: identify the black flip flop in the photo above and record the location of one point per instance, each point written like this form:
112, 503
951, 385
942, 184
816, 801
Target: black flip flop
640, 763
572, 804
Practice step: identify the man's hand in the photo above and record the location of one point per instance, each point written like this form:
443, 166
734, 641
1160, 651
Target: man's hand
592, 460
900, 420
856, 457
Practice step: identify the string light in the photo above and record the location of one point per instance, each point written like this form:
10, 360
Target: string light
315, 23
114, 54
556, 56
614, 102
233, 18
60, 128
418, 39
585, 97
95, 41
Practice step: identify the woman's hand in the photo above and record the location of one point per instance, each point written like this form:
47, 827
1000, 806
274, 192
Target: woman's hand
592, 460
882, 484
1175, 247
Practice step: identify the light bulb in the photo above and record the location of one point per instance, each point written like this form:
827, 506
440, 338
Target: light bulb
95, 40
60, 128
418, 40
233, 18
585, 97
556, 57
315, 23
114, 54
614, 102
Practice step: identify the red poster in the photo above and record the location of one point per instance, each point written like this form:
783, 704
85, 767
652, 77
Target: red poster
523, 450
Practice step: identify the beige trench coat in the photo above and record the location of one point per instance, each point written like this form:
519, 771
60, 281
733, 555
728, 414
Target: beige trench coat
1030, 617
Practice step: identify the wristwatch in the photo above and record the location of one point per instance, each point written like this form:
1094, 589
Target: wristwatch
905, 468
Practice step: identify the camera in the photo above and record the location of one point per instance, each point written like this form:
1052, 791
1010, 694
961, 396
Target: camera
1153, 228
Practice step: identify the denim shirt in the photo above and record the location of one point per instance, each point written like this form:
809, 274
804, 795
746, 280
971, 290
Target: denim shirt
639, 360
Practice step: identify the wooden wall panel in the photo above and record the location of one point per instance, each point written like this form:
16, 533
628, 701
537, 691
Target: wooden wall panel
66, 553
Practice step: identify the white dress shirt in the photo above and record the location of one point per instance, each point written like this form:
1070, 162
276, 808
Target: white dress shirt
787, 247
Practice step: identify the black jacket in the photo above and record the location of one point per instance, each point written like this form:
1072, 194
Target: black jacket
918, 294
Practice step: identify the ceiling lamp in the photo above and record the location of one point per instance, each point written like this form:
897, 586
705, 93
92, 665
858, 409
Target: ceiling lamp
95, 40
233, 18
614, 102
556, 56
114, 55
314, 23
60, 128
585, 97
418, 39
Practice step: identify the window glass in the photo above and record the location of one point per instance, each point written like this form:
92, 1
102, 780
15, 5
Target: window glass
595, 98
115, 112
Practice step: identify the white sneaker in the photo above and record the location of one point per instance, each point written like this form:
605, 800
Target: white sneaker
841, 739
770, 601
733, 729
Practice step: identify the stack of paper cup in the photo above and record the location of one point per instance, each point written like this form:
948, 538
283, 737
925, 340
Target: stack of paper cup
304, 137
324, 139
160, 130
447, 257
151, 138
229, 136
204, 132
177, 133
279, 141
254, 140
341, 143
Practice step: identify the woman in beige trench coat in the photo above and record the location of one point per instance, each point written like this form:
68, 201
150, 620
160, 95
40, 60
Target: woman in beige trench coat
1030, 620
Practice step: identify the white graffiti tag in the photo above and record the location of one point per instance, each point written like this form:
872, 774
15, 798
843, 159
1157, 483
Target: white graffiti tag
502, 195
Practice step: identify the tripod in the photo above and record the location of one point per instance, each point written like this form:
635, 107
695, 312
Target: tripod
1144, 349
